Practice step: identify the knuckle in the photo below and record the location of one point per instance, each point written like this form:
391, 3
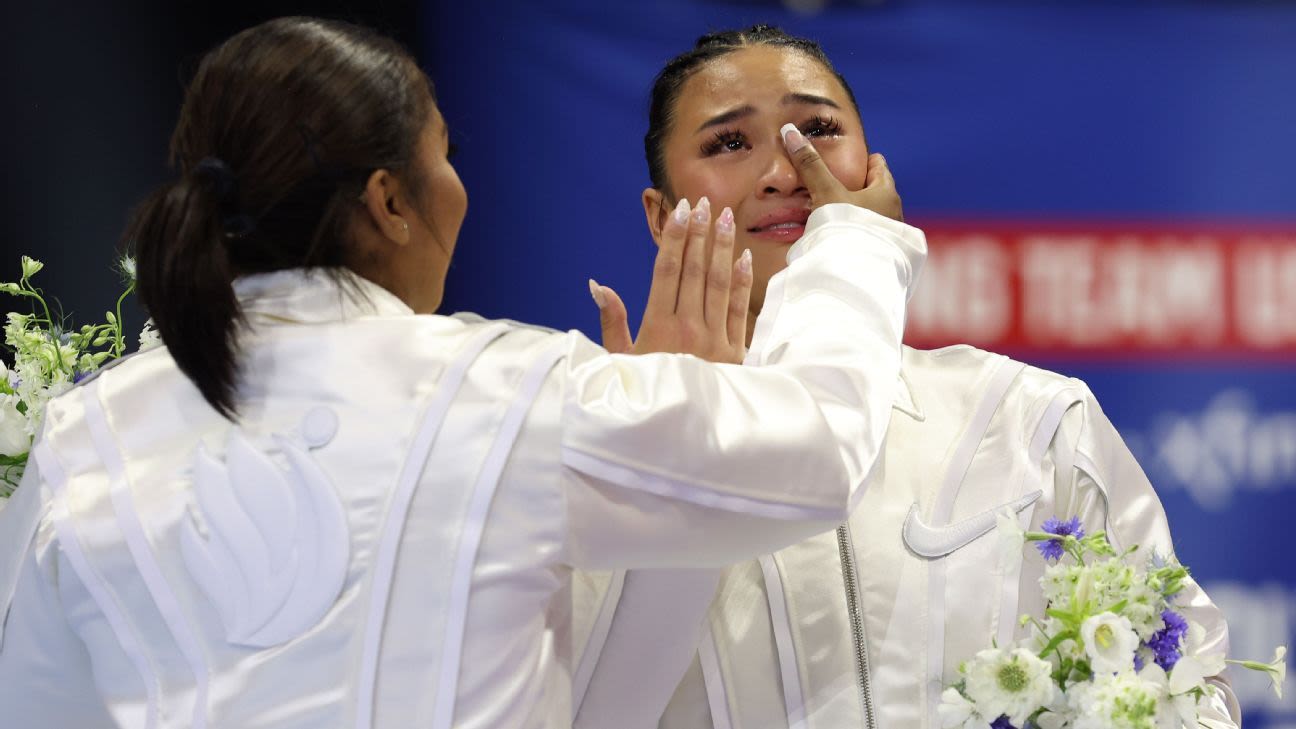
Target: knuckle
693, 269
667, 266
718, 278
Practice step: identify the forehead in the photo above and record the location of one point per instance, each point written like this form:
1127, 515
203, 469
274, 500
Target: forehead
758, 75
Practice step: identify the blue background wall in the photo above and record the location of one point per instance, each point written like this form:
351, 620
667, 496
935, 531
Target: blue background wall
1103, 111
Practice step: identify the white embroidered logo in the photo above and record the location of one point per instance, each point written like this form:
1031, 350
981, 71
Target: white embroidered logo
932, 542
268, 547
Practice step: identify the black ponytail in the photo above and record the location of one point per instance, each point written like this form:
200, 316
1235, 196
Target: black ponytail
186, 282
280, 128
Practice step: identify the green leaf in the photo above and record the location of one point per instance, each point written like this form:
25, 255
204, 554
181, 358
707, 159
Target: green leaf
1057, 641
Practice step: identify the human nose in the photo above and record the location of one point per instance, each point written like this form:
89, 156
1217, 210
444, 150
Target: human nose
779, 176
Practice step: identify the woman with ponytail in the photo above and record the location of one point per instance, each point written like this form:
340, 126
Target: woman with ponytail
322, 505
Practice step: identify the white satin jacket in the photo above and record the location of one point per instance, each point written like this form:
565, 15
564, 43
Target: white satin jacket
864, 626
385, 539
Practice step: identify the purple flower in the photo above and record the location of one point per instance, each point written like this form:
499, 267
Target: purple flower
1002, 723
1052, 549
1165, 642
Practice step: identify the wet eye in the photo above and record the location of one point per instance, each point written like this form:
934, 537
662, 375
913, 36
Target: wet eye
821, 126
725, 141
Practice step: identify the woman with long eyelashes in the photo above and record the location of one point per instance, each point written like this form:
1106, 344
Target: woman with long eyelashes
862, 626
322, 505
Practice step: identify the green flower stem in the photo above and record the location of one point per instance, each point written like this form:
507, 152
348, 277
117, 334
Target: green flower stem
119, 340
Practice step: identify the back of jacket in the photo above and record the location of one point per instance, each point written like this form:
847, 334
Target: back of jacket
385, 536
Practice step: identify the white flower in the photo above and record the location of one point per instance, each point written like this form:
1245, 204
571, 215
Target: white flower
1110, 642
955, 711
1057, 714
14, 439
1013, 683
1143, 608
1176, 710
1193, 667
1277, 668
30, 266
148, 338
1116, 701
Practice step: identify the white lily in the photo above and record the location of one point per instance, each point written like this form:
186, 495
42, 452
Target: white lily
1110, 642
1277, 668
1194, 667
1183, 707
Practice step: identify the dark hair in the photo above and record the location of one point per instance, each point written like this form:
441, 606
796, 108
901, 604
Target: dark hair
279, 131
668, 84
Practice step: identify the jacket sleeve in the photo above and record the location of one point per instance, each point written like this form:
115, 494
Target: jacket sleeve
675, 462
45, 677
1105, 485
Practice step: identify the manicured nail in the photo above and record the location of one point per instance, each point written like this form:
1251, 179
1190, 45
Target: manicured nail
597, 292
792, 137
725, 223
702, 213
744, 261
682, 211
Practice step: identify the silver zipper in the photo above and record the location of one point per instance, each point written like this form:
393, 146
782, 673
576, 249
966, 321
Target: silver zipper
851, 581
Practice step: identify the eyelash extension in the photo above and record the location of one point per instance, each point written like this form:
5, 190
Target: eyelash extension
722, 139
826, 126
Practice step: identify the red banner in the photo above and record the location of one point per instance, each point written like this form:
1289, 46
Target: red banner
1108, 289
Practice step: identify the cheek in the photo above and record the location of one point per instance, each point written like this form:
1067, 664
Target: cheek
849, 164
723, 185
449, 194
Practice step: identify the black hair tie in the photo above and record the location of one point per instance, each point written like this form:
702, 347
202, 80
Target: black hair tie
214, 171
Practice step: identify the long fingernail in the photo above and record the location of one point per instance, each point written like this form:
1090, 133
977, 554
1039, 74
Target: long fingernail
792, 137
744, 261
725, 223
682, 211
702, 213
597, 292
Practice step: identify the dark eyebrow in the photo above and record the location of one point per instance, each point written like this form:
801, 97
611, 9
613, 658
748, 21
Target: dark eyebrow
728, 116
809, 99
747, 109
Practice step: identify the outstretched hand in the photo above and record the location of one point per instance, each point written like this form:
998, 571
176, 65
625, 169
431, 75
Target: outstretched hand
698, 303
879, 193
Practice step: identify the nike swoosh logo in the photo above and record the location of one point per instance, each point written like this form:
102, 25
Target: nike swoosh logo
931, 542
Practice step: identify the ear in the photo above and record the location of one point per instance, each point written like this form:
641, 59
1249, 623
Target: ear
654, 203
384, 200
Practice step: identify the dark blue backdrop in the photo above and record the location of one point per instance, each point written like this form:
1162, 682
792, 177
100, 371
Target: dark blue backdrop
1161, 111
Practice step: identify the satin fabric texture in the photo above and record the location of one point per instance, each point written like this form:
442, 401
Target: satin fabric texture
972, 432
167, 568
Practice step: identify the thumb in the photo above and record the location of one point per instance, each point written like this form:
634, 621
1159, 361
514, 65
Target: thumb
613, 318
818, 179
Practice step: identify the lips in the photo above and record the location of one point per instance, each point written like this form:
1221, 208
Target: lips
783, 225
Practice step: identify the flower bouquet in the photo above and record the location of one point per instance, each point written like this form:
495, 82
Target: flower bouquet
1111, 650
49, 356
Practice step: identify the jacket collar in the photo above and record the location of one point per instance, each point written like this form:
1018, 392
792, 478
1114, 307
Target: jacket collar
313, 297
